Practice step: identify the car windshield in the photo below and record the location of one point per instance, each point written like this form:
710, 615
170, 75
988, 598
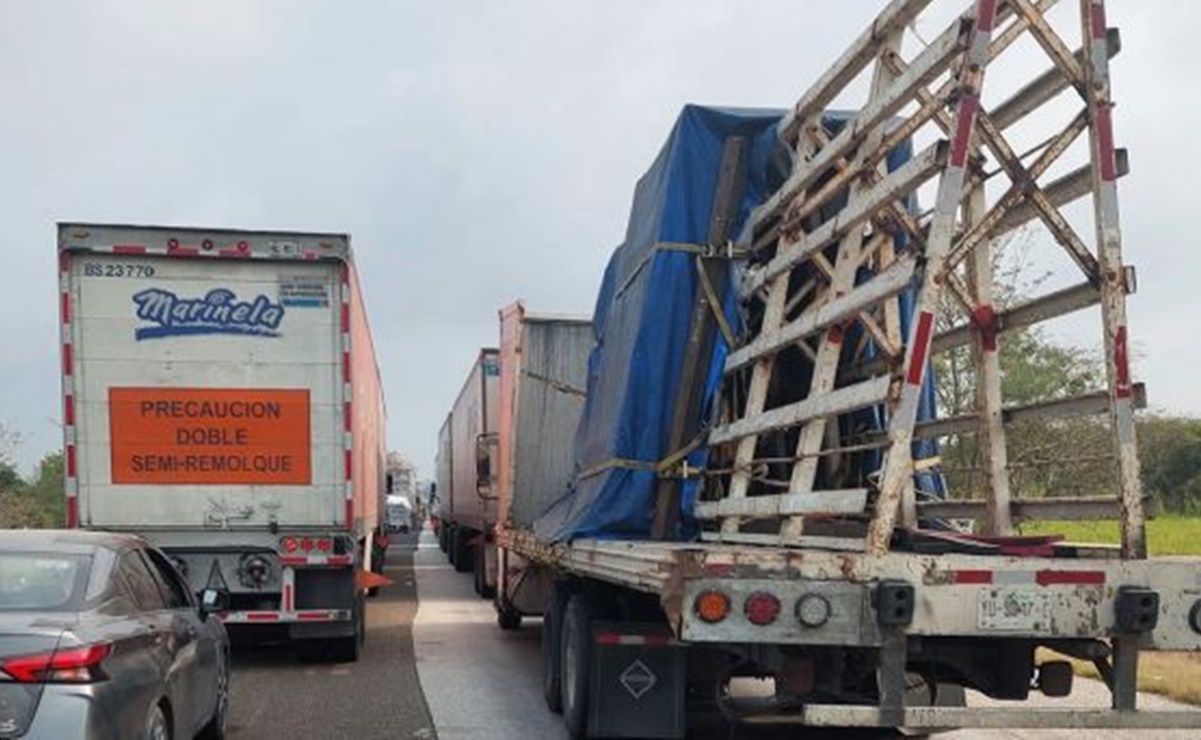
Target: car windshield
32, 581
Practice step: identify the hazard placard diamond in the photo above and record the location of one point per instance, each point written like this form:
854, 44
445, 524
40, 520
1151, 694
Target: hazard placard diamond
638, 679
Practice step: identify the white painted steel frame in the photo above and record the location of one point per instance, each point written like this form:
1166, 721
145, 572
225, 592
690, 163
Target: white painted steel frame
945, 589
956, 236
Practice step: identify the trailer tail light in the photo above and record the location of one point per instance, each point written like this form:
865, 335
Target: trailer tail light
712, 606
74, 665
306, 544
290, 544
325, 544
761, 608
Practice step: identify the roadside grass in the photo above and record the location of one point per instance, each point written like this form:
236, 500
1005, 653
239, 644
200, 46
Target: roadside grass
1172, 674
1166, 535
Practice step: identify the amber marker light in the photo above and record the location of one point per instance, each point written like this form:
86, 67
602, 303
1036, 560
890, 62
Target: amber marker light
712, 606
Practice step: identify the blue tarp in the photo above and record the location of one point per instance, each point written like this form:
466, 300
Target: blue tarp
642, 320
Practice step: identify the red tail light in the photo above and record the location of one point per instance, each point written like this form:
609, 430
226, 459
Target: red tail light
761, 608
325, 545
73, 665
290, 544
306, 544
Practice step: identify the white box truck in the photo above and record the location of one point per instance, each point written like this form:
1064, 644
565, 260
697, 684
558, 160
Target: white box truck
221, 398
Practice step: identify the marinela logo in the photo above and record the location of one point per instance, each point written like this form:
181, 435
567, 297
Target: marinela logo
218, 312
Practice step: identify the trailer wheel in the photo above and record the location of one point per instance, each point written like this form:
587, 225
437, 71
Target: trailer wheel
482, 589
575, 661
507, 617
552, 630
350, 649
461, 550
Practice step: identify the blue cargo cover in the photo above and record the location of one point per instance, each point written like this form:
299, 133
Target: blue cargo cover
642, 320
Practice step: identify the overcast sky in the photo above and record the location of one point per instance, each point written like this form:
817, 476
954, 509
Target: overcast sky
477, 152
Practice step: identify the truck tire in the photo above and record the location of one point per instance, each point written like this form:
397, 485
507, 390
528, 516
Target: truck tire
443, 531
463, 556
575, 661
507, 617
552, 621
350, 649
482, 589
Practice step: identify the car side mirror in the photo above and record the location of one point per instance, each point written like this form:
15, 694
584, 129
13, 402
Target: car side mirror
213, 601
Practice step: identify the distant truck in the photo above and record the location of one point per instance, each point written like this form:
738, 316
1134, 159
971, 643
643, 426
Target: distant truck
464, 470
399, 517
221, 398
543, 376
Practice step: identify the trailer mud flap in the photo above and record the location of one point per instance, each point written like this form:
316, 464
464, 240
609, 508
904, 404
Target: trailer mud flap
637, 682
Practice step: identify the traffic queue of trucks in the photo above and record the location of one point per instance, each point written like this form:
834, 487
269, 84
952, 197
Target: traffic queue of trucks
731, 471
738, 474
221, 398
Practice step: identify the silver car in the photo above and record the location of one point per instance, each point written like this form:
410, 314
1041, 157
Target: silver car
101, 638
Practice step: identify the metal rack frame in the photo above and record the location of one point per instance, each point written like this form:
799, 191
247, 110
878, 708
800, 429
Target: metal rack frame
948, 256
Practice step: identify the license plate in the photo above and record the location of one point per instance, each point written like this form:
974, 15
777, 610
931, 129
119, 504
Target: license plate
1013, 609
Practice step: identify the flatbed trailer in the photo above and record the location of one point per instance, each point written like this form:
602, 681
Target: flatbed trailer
780, 513
1080, 595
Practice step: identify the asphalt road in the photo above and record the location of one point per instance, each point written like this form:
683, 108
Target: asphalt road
445, 670
276, 695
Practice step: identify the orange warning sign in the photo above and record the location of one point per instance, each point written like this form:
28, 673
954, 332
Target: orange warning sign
209, 436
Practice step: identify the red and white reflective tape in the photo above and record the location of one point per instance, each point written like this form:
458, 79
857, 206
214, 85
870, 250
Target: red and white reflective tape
921, 348
173, 247
280, 617
332, 561
348, 397
1045, 577
611, 638
287, 597
70, 462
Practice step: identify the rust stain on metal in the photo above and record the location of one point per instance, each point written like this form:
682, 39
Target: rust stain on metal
687, 565
933, 576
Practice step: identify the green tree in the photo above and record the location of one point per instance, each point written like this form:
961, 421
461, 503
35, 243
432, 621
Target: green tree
1170, 452
45, 491
14, 510
1071, 456
36, 502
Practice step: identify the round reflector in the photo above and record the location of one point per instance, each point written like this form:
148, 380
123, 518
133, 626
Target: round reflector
761, 608
813, 610
712, 606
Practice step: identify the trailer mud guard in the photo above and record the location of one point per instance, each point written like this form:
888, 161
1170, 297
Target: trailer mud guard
637, 682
